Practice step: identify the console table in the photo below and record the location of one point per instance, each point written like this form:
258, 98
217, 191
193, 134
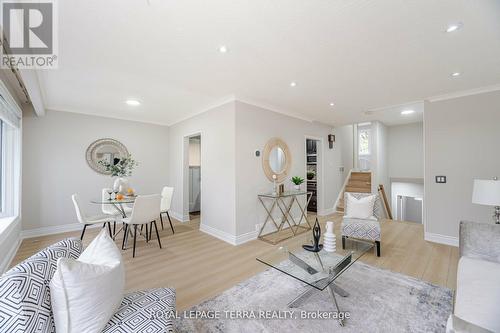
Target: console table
286, 227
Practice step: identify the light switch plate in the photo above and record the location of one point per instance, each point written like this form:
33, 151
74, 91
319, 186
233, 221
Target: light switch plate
441, 179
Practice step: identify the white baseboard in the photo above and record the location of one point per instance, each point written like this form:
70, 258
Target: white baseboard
227, 237
55, 229
222, 235
249, 236
441, 239
179, 217
4, 265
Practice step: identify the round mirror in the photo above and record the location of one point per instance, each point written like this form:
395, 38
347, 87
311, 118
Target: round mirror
276, 160
107, 150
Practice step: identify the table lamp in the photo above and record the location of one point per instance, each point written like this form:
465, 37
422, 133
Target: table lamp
487, 192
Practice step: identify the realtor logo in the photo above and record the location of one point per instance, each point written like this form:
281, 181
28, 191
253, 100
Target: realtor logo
29, 28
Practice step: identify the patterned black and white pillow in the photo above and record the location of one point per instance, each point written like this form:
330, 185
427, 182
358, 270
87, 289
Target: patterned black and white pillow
25, 293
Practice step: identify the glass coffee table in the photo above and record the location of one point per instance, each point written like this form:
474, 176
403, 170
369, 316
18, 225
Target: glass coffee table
318, 270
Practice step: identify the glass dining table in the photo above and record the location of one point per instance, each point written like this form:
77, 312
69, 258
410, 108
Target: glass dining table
118, 204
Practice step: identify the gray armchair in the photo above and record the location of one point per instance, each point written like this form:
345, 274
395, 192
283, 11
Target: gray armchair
478, 276
368, 230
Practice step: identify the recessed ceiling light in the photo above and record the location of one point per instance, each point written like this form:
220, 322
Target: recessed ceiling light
132, 102
455, 74
454, 27
223, 49
407, 112
332, 104
293, 84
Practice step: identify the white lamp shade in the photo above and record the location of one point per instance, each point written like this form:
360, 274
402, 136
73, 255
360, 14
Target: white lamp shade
486, 192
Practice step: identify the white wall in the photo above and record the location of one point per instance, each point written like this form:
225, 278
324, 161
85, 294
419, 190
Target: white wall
54, 164
462, 139
217, 128
344, 141
254, 127
379, 155
406, 151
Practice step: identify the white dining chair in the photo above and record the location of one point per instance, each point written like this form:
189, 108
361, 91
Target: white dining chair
145, 211
167, 194
90, 220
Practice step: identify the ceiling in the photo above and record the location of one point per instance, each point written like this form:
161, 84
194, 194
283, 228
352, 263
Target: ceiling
360, 54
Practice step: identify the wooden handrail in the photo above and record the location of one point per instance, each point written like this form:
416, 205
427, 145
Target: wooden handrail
384, 199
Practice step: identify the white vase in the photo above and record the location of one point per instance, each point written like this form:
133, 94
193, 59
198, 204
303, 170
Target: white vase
121, 185
329, 241
297, 187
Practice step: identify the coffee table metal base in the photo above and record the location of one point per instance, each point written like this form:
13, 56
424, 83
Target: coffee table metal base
332, 289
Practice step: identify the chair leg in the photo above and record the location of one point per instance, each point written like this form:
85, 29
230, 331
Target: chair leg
343, 242
114, 228
169, 220
157, 234
147, 233
377, 243
125, 234
150, 230
135, 239
109, 229
83, 231
161, 220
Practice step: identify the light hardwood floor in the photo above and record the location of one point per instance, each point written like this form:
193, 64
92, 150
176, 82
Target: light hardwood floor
200, 266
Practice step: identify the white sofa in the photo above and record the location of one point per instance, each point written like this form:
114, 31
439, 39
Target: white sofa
477, 299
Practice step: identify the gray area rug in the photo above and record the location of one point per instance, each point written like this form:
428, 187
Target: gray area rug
379, 301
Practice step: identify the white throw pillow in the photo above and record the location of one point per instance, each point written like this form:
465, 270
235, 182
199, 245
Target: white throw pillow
85, 293
361, 208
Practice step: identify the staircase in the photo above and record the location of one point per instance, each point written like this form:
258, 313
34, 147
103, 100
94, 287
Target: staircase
359, 182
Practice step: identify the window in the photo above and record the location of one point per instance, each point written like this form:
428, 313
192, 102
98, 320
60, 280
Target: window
364, 141
2, 208
10, 154
364, 146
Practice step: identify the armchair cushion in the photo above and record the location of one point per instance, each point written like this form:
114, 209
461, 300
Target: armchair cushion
480, 240
478, 292
24, 290
148, 311
359, 228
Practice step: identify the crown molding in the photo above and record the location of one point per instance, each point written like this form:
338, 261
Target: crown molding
383, 108
463, 93
272, 108
55, 109
225, 100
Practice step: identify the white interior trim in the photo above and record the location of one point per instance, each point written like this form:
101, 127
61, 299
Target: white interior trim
4, 265
178, 216
33, 87
54, 229
464, 93
225, 100
441, 239
56, 109
272, 108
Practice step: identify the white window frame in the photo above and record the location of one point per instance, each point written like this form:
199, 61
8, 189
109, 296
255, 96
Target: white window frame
10, 186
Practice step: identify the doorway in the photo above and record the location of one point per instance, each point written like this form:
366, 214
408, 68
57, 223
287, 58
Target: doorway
194, 176
313, 149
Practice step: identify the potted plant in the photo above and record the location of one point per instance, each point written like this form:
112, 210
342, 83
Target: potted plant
297, 181
310, 175
122, 169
